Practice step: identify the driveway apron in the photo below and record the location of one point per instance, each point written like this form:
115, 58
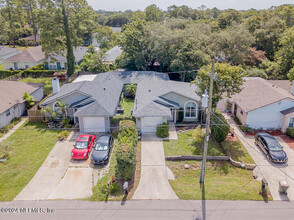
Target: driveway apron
272, 172
153, 183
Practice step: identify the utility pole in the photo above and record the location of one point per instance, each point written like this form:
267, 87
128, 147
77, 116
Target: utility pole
202, 173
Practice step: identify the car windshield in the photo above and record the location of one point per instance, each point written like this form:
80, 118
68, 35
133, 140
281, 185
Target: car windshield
275, 147
101, 147
81, 145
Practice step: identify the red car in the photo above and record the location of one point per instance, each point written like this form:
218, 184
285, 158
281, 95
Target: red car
83, 147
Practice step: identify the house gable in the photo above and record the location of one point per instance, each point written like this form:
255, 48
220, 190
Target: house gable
178, 98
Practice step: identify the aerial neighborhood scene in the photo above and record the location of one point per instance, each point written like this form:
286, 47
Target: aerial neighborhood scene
147, 109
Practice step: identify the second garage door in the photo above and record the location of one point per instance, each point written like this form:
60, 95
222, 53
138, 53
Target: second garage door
149, 124
94, 124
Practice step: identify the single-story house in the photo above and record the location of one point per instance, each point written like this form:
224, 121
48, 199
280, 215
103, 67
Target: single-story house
30, 40
93, 100
264, 104
25, 59
34, 56
12, 104
6, 52
59, 62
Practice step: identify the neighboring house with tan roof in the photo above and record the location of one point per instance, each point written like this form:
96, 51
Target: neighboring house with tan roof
6, 52
25, 59
12, 104
266, 104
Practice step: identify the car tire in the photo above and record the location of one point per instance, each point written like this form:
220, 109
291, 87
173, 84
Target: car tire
268, 158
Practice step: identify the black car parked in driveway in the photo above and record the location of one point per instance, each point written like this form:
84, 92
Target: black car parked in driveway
101, 149
271, 147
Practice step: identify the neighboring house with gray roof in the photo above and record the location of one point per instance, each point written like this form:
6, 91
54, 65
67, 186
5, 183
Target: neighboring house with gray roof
93, 101
6, 52
59, 62
12, 104
266, 104
112, 55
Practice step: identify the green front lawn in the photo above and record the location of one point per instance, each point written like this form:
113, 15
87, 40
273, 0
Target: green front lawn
187, 145
47, 81
27, 148
127, 104
222, 182
1, 66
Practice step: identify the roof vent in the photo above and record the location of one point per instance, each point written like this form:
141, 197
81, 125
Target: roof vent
149, 90
104, 89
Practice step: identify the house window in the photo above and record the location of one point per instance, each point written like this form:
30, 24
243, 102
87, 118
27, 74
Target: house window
190, 109
7, 112
291, 122
241, 112
52, 66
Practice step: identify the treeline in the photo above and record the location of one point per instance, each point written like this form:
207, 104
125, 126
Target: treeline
182, 38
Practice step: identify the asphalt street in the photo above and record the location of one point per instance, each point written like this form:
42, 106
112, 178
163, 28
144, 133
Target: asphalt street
147, 209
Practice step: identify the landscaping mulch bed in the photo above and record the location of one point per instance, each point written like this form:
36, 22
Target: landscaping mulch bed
288, 140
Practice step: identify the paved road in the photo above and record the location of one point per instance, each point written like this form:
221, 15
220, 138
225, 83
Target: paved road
61, 178
150, 209
153, 182
273, 173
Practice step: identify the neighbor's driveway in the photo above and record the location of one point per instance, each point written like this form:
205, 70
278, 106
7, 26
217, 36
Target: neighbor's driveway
153, 183
273, 173
59, 177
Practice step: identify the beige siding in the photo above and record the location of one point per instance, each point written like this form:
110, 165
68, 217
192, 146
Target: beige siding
242, 117
20, 65
285, 121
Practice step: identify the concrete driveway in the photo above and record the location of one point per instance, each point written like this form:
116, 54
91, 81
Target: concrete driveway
272, 172
60, 177
153, 183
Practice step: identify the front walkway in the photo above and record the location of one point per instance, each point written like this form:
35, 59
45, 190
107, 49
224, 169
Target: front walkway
172, 132
12, 130
273, 173
154, 183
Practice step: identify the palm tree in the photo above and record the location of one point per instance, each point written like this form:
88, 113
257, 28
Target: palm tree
62, 107
131, 89
29, 99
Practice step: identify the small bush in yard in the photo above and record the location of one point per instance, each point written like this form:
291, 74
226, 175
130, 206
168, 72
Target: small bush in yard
127, 123
220, 127
63, 135
126, 162
162, 130
290, 132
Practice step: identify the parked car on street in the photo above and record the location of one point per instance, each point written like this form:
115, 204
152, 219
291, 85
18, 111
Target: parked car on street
83, 146
101, 150
271, 147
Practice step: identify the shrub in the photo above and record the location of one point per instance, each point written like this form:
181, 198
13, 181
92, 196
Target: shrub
127, 148
290, 132
246, 129
8, 73
37, 73
162, 130
63, 135
181, 115
220, 127
13, 122
236, 119
127, 123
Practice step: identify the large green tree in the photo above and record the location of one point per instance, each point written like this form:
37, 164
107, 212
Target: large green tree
228, 80
153, 13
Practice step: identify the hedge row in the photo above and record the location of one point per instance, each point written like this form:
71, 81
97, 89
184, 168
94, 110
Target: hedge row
8, 73
126, 153
290, 132
220, 127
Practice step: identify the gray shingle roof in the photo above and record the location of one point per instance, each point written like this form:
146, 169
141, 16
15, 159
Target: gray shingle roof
112, 54
148, 95
106, 88
78, 53
257, 92
34, 54
7, 50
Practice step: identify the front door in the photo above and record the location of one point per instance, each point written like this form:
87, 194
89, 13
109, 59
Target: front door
235, 109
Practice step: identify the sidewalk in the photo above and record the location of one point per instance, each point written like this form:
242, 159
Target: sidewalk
12, 130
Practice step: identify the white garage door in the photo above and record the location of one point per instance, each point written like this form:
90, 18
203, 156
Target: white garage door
94, 124
149, 124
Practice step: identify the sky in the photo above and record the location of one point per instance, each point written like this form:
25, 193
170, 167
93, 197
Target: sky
122, 5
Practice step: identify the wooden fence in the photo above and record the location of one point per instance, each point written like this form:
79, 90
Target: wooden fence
35, 114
